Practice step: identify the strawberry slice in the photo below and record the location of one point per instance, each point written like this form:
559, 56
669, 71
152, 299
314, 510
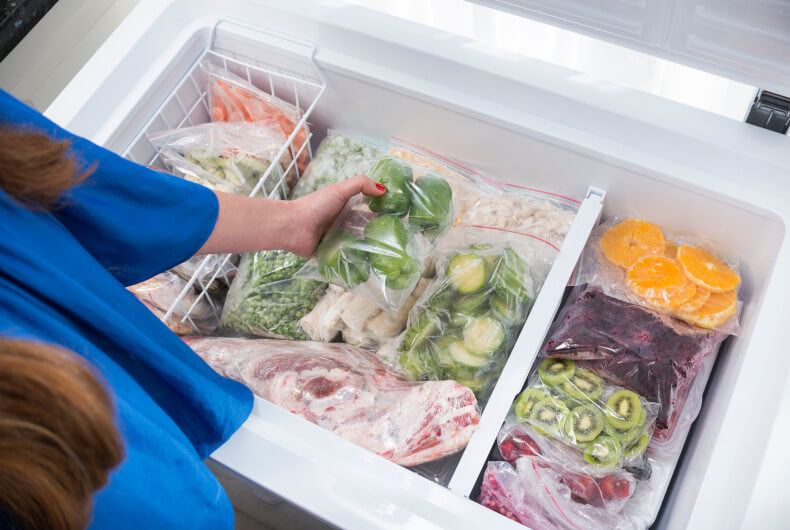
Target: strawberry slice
622, 489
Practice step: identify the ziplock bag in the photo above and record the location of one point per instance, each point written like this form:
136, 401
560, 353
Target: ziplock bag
265, 299
378, 245
647, 352
160, 292
676, 274
539, 497
351, 393
338, 158
541, 213
577, 418
230, 157
464, 326
234, 99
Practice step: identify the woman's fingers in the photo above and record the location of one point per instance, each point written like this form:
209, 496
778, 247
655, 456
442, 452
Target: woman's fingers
360, 183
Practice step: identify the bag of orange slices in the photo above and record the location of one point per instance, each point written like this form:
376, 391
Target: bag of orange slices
641, 263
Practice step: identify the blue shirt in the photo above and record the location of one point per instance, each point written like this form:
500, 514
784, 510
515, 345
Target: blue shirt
62, 278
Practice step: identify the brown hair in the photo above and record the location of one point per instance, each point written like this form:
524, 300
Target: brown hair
34, 168
58, 441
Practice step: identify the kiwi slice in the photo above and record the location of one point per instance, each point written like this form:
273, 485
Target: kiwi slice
526, 401
556, 371
548, 416
623, 409
638, 447
604, 451
625, 437
583, 386
585, 423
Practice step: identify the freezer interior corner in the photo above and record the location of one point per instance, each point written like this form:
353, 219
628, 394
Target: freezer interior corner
351, 96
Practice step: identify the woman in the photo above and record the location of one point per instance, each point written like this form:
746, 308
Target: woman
77, 224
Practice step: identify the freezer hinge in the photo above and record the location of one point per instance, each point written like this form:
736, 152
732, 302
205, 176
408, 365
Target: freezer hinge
770, 111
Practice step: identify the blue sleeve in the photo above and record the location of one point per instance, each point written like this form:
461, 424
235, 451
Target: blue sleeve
135, 221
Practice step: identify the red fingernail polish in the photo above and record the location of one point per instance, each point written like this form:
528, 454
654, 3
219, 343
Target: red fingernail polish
381, 187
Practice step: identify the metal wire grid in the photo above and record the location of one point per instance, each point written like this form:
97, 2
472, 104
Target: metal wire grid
187, 105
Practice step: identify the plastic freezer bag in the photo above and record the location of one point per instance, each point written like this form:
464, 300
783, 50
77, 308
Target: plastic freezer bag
464, 326
538, 497
160, 293
647, 352
351, 393
266, 300
338, 158
677, 274
377, 246
229, 157
582, 420
234, 99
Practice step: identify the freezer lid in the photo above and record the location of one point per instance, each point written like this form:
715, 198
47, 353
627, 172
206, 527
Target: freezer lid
745, 41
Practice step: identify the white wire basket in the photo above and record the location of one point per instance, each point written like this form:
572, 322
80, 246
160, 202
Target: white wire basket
187, 105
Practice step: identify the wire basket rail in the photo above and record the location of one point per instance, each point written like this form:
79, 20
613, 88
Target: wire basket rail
187, 105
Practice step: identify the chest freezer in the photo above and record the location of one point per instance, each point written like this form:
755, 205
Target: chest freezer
626, 153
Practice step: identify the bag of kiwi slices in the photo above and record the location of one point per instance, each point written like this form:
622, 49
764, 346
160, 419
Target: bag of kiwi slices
606, 426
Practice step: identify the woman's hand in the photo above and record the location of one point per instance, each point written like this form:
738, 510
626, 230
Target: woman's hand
246, 224
316, 211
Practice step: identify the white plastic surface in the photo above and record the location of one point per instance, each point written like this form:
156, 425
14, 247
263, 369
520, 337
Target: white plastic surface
748, 41
523, 121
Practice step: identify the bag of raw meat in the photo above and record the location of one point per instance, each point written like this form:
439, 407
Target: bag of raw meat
234, 99
351, 393
465, 324
645, 351
671, 273
229, 157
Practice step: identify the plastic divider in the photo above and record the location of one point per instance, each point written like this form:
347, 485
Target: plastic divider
518, 365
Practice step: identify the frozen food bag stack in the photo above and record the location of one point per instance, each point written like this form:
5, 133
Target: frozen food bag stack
649, 327
265, 299
350, 392
160, 293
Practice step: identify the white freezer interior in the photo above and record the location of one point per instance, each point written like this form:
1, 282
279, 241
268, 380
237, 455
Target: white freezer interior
524, 122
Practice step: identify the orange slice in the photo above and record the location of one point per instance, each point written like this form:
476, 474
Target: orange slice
695, 302
671, 250
670, 300
706, 270
716, 310
627, 242
657, 277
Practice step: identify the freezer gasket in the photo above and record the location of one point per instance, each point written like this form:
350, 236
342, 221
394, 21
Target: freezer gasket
187, 105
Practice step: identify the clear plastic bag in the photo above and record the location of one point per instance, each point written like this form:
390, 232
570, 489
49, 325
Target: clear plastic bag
647, 352
378, 245
465, 324
351, 393
581, 420
338, 158
159, 294
229, 157
234, 99
672, 273
540, 496
265, 300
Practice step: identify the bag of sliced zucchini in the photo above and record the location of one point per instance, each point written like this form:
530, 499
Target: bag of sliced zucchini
464, 326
